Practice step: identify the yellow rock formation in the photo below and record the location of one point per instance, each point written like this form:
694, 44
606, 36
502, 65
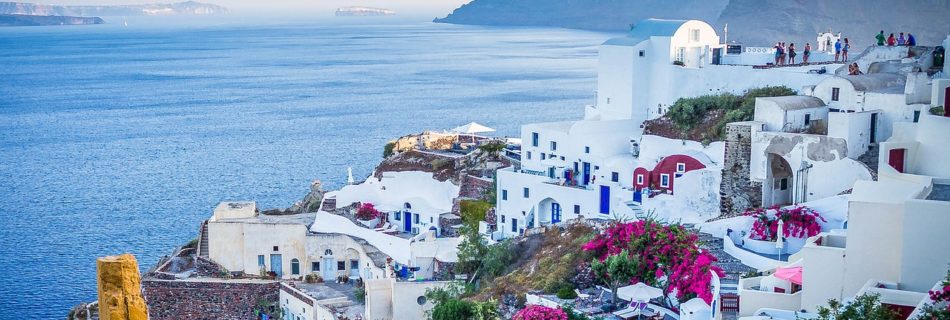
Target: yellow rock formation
120, 289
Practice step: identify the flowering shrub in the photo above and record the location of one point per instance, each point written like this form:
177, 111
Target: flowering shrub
367, 212
940, 308
669, 256
537, 312
798, 222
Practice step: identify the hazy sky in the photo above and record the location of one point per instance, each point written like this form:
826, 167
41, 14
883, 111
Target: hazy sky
424, 8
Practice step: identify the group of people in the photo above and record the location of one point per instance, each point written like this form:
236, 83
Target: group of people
854, 70
785, 55
841, 50
891, 41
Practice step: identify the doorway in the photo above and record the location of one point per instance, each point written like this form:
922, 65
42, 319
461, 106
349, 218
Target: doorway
407, 221
873, 127
275, 265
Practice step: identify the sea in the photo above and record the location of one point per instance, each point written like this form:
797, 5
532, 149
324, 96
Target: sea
118, 139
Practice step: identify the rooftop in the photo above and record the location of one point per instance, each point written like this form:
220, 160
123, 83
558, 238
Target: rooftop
795, 102
941, 192
304, 219
645, 29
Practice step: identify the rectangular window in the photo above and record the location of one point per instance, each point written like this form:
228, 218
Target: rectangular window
528, 155
315, 266
640, 179
916, 116
643, 53
694, 35
544, 156
502, 218
586, 149
614, 176
680, 167
784, 184
340, 265
608, 100
553, 145
534, 139
807, 119
431, 220
415, 217
665, 180
504, 194
276, 249
526, 192
834, 93
680, 54
260, 260
354, 264
577, 209
514, 225
397, 216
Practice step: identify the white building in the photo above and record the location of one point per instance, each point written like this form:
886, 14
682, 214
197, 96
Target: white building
895, 242
399, 300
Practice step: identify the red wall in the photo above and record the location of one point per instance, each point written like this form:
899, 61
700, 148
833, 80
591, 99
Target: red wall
666, 166
646, 178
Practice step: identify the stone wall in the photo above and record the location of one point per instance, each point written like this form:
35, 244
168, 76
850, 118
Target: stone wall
474, 188
737, 191
207, 299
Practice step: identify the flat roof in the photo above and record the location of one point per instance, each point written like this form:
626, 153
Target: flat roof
941, 192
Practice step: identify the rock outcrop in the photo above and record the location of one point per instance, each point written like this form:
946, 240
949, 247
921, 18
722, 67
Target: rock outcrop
154, 9
12, 20
120, 288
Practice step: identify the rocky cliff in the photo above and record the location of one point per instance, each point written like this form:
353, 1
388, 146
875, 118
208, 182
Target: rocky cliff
753, 22
155, 9
120, 289
8, 20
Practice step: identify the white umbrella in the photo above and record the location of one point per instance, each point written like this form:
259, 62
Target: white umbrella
471, 128
639, 292
778, 239
694, 306
349, 175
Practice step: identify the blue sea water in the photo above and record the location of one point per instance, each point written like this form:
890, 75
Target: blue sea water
120, 139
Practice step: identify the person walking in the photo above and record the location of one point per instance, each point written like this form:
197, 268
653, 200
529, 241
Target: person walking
806, 53
880, 38
900, 40
891, 41
845, 49
911, 41
791, 53
837, 50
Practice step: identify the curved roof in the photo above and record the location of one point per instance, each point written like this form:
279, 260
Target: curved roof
795, 102
645, 29
875, 82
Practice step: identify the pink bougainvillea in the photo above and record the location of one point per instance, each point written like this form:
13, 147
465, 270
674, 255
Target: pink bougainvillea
669, 255
798, 222
538, 312
367, 212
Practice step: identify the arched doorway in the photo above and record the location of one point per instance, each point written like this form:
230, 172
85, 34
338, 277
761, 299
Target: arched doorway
777, 189
329, 265
549, 211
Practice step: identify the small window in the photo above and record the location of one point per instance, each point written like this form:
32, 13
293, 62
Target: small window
502, 218
562, 158
534, 139
415, 217
315, 266
397, 216
294, 266
528, 155
916, 116
577, 209
553, 145
527, 192
614, 176
596, 167
421, 300
340, 265
665, 180
407, 206
328, 252
514, 225
807, 119
260, 260
608, 100
431, 220
834, 93
354, 264
680, 167
784, 184
694, 35
643, 53
640, 178
544, 156
504, 194
586, 149
276, 249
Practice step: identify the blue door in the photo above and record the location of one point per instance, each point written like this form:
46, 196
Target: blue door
586, 173
604, 199
555, 212
407, 219
637, 197
275, 265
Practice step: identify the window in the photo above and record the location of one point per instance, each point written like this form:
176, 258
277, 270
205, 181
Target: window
504, 194
502, 218
260, 260
665, 180
586, 149
354, 264
562, 158
431, 220
294, 266
544, 156
407, 206
577, 209
680, 167
807, 119
514, 225
614, 176
397, 216
640, 178
315, 266
340, 265
916, 116
834, 93
553, 145
534, 139
527, 192
694, 35
784, 184
415, 217
528, 155
421, 300
276, 249
643, 53
680, 54
608, 100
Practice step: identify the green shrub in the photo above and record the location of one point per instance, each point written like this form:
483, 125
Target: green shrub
360, 293
473, 211
566, 292
442, 163
388, 149
453, 309
687, 113
937, 111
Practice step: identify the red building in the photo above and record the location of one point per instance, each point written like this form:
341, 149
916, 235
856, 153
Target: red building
663, 175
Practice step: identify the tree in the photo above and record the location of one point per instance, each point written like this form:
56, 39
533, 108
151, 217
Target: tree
471, 250
863, 307
492, 148
453, 309
615, 271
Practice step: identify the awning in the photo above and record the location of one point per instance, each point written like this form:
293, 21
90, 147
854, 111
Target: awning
793, 274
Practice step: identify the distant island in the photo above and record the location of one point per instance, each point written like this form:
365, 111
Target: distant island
752, 22
154, 9
363, 12
11, 20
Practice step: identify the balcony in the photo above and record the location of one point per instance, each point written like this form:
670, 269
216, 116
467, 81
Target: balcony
757, 294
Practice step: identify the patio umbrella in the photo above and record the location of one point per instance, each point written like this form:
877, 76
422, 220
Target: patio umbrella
792, 274
472, 128
778, 239
349, 175
639, 292
694, 306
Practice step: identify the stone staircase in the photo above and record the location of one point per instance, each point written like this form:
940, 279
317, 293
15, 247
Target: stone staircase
870, 159
203, 240
730, 265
